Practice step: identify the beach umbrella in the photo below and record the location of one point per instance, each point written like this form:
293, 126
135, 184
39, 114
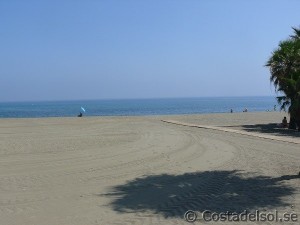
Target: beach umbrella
82, 109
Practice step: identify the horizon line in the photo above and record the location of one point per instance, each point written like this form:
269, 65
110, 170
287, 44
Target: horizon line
146, 98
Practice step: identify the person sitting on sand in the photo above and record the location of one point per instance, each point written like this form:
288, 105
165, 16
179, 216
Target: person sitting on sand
284, 123
80, 114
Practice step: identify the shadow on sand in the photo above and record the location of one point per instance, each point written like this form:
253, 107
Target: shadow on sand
217, 191
271, 128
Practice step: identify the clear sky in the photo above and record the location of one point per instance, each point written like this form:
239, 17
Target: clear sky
88, 49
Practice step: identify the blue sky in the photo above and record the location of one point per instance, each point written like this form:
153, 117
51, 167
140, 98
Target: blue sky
61, 50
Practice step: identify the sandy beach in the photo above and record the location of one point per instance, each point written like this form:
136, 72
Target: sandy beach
141, 170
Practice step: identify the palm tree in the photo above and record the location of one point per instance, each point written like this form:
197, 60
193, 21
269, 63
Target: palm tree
297, 33
284, 66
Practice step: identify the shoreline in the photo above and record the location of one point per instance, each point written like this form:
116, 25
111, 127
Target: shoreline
149, 115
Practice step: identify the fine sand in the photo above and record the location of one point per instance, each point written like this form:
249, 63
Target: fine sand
141, 170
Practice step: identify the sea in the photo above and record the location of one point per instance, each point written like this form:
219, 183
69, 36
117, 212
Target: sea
136, 107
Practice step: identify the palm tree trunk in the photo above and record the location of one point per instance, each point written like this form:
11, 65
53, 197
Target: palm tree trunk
293, 123
298, 118
293, 115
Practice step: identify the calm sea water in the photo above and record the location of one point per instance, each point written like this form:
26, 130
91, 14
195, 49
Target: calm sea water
135, 107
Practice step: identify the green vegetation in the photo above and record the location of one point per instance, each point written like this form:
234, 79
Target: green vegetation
284, 65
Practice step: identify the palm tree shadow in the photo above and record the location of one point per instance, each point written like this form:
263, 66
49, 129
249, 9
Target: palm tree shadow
217, 191
271, 128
